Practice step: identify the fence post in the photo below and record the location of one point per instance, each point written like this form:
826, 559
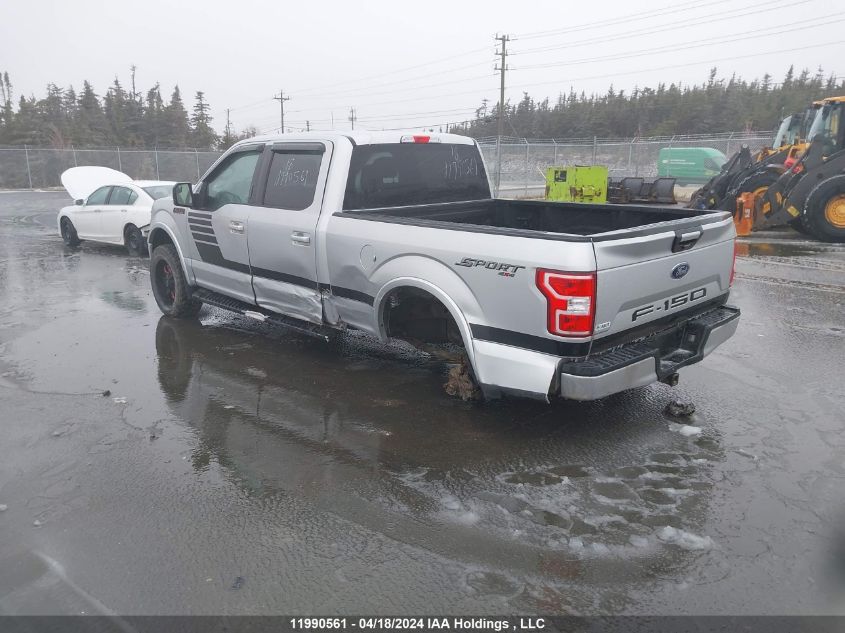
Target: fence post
197, 156
73, 149
595, 147
498, 164
119, 163
28, 170
155, 151
669, 164
525, 176
555, 160
728, 145
630, 155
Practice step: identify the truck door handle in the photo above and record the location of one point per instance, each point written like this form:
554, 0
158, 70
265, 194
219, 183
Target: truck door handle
236, 227
298, 237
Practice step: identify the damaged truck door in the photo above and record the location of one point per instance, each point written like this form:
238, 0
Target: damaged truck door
283, 225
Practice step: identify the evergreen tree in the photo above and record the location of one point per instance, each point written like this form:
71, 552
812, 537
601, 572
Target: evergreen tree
90, 126
176, 126
202, 135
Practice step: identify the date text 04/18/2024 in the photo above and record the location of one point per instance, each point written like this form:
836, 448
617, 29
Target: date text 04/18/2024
418, 623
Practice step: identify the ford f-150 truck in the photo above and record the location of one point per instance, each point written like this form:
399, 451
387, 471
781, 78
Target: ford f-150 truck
399, 235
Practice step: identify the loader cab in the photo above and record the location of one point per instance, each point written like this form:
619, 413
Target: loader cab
827, 127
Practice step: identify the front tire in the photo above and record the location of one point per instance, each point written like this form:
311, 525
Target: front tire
755, 183
133, 239
825, 210
68, 231
170, 287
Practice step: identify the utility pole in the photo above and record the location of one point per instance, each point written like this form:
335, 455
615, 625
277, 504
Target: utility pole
281, 99
352, 117
501, 67
228, 129
307, 126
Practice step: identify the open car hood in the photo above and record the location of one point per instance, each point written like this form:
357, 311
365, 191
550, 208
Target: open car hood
80, 182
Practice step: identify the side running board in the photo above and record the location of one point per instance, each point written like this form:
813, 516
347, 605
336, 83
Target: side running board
261, 314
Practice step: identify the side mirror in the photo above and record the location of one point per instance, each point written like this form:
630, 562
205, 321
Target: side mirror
79, 202
183, 194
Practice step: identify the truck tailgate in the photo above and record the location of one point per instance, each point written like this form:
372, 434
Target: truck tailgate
646, 277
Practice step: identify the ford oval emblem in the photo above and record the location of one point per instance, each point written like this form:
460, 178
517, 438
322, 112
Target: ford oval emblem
680, 270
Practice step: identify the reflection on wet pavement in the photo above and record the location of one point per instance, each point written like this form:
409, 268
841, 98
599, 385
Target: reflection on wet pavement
341, 478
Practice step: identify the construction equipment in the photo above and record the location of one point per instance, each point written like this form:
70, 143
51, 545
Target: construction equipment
634, 189
754, 173
810, 195
579, 183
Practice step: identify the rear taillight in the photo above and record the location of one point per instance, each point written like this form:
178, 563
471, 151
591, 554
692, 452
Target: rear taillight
733, 266
570, 300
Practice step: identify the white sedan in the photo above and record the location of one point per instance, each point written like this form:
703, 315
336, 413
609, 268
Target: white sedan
109, 207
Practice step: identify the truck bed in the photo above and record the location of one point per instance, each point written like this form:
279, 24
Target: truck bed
540, 218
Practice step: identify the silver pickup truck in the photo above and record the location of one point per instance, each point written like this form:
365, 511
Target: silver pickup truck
398, 235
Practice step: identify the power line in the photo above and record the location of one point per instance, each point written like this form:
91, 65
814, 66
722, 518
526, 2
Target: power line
615, 74
731, 14
734, 37
671, 66
393, 83
393, 72
625, 19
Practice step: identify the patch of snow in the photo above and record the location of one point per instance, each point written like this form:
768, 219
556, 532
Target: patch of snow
685, 429
684, 540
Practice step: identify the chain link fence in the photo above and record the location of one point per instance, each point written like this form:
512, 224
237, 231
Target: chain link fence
40, 168
524, 161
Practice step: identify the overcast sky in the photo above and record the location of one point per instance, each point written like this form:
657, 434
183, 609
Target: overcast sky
399, 63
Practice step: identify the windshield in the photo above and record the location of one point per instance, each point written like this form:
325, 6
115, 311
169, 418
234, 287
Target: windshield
399, 174
159, 191
826, 126
782, 132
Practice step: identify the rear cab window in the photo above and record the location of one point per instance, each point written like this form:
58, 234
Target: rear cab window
401, 174
292, 179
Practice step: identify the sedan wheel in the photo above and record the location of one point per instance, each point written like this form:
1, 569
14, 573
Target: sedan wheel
69, 235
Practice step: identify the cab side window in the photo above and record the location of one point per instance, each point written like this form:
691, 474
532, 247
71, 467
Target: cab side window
292, 181
121, 195
231, 182
99, 196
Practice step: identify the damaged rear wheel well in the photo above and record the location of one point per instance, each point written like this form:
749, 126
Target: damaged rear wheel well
417, 316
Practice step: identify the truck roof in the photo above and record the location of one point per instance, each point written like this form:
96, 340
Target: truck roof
359, 137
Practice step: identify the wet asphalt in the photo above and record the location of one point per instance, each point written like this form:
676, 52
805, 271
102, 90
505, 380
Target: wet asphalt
236, 468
